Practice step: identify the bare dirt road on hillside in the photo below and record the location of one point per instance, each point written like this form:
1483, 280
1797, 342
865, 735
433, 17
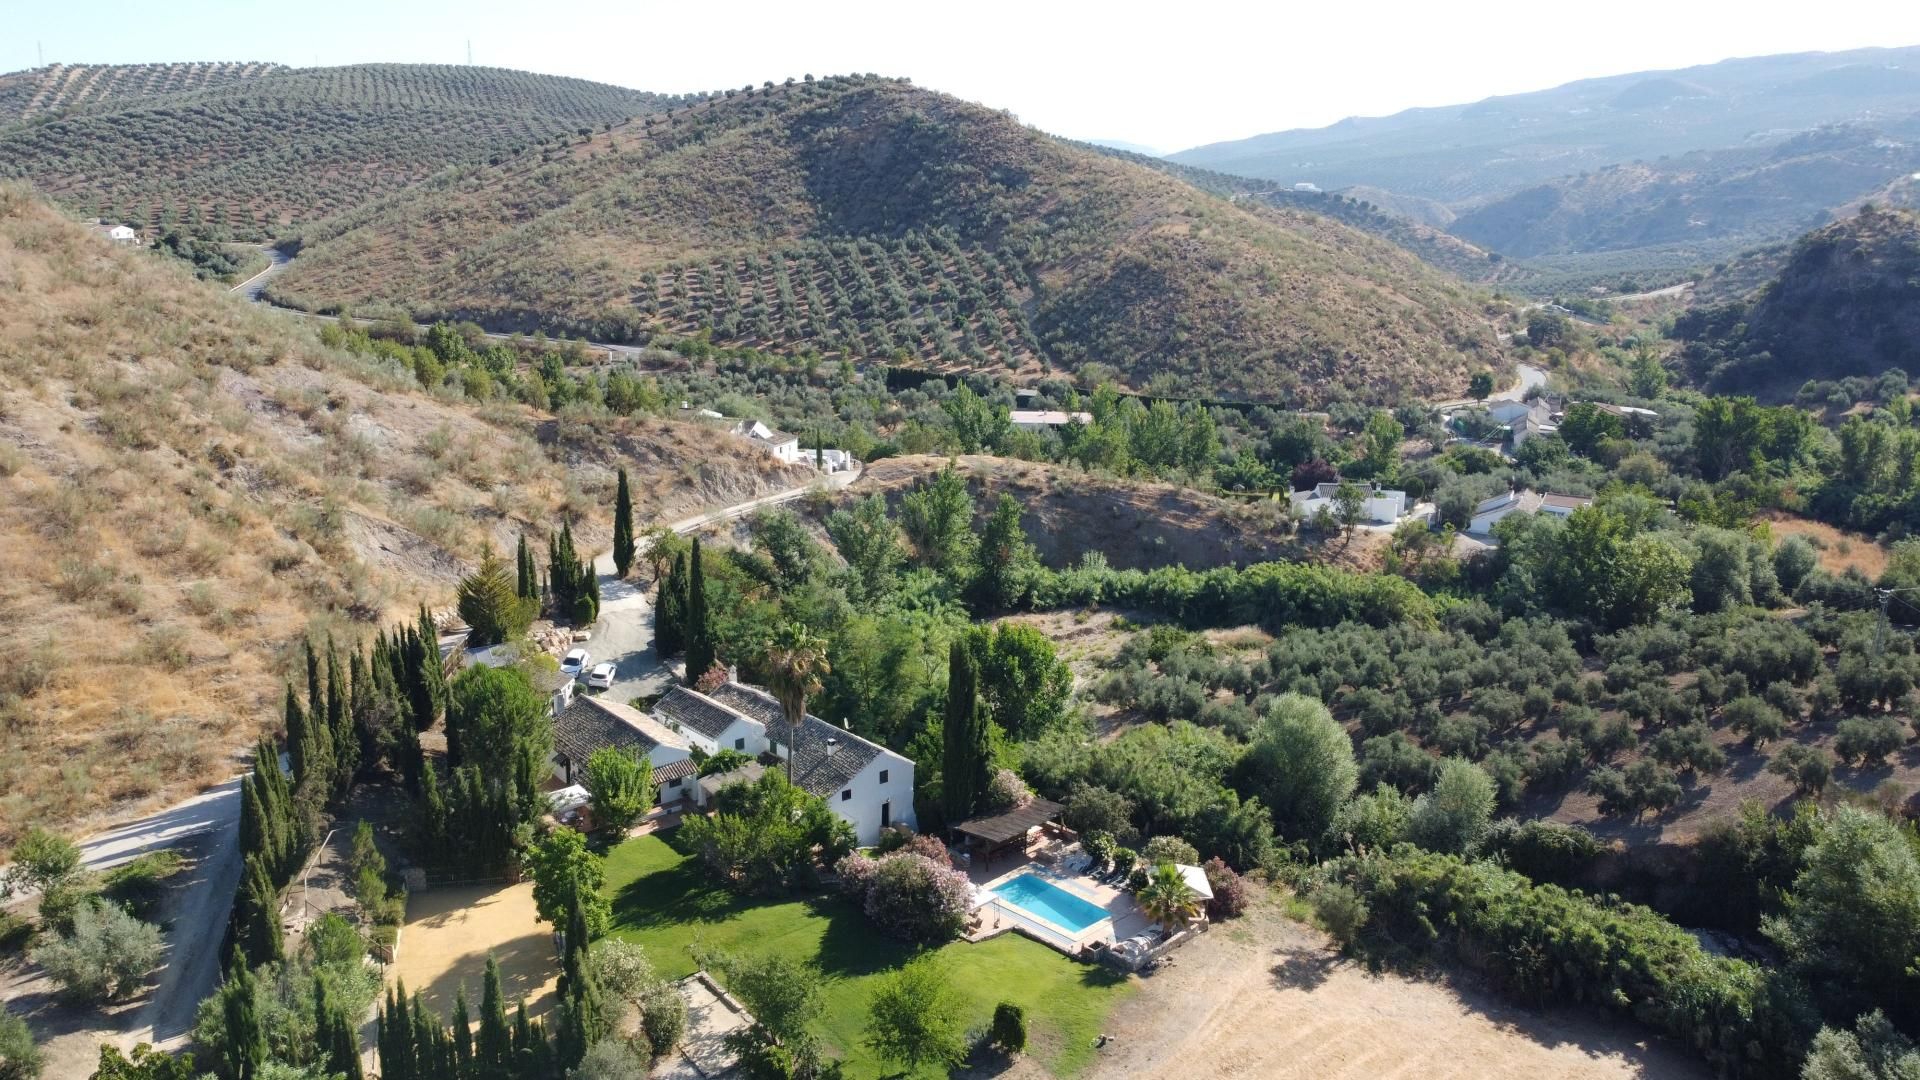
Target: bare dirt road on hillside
1264, 997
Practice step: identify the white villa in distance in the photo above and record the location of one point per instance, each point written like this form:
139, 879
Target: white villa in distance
1378, 506
778, 443
1522, 501
121, 234
1042, 419
862, 781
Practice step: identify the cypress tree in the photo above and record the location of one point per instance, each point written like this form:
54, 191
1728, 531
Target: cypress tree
346, 744
299, 740
426, 1040
523, 586
960, 732
256, 830
256, 912
699, 640
245, 1048
433, 810
316, 701
493, 1050
623, 549
436, 676
462, 1030
670, 609
399, 1059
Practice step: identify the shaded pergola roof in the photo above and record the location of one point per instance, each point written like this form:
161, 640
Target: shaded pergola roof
1015, 823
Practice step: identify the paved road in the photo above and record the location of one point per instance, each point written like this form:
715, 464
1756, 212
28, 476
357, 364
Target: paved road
624, 632
1530, 377
253, 286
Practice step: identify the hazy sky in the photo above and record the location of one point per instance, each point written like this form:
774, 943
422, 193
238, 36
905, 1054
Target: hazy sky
1169, 75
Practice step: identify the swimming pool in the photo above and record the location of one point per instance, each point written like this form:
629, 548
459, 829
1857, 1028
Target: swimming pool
1033, 893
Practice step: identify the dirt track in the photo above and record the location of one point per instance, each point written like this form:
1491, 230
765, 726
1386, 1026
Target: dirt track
1264, 997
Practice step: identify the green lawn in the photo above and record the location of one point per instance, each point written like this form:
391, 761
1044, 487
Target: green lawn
663, 900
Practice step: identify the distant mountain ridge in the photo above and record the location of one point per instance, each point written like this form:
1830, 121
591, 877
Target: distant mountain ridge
1492, 147
865, 218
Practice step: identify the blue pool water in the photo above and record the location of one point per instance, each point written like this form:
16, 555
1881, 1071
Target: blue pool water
1036, 894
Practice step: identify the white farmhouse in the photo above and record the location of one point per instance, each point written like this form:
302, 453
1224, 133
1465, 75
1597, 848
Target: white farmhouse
591, 723
120, 234
1378, 506
778, 443
1522, 501
1042, 419
862, 781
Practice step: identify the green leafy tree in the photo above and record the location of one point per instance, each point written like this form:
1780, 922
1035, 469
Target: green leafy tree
978, 424
1454, 816
914, 1016
1873, 1050
1024, 681
105, 957
623, 541
938, 519
145, 1063
497, 723
1004, 571
43, 861
19, 1058
1480, 386
1009, 1031
1646, 376
870, 542
1349, 504
566, 874
1302, 766
621, 784
1853, 922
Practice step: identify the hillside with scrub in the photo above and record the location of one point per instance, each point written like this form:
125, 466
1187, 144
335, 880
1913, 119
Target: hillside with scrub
189, 485
57, 89
861, 218
250, 156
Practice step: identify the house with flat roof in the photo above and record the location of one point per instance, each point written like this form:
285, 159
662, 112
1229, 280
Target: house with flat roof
1378, 505
1042, 419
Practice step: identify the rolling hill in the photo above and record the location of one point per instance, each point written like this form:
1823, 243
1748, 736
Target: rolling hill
189, 483
867, 219
62, 88
1486, 149
254, 150
1716, 202
1845, 301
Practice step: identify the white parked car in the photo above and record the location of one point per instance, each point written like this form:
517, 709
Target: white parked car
575, 663
601, 677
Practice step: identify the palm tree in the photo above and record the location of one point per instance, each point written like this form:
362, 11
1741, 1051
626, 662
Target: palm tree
795, 661
1167, 898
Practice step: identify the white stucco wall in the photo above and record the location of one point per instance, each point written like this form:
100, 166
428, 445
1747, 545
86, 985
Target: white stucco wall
863, 809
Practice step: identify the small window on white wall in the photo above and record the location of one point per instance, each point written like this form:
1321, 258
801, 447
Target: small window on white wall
846, 795
883, 776
740, 744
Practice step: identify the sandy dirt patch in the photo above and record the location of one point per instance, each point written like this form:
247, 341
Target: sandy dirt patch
1266, 997
1840, 550
451, 930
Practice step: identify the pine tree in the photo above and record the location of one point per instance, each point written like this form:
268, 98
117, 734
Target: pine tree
623, 547
493, 1049
699, 640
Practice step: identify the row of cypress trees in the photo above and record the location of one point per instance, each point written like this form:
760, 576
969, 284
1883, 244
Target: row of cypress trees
412, 1044
571, 582
681, 620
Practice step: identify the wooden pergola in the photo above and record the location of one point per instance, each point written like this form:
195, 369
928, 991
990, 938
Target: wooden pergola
995, 833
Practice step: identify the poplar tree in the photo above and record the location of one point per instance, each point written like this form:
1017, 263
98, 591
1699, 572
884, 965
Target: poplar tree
623, 548
699, 639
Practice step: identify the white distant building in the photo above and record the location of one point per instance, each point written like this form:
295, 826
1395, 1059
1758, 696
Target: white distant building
1522, 501
778, 443
827, 459
1378, 506
1041, 419
120, 234
1305, 186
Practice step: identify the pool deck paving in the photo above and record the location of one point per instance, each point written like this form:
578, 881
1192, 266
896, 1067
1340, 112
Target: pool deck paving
1124, 917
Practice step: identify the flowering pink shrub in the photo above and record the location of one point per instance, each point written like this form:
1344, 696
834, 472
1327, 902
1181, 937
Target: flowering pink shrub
908, 895
1229, 890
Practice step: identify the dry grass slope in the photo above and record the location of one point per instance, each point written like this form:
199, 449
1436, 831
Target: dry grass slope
188, 484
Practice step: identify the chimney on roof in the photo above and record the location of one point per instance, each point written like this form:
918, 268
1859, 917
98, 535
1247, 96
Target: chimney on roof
833, 744
844, 726
733, 673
